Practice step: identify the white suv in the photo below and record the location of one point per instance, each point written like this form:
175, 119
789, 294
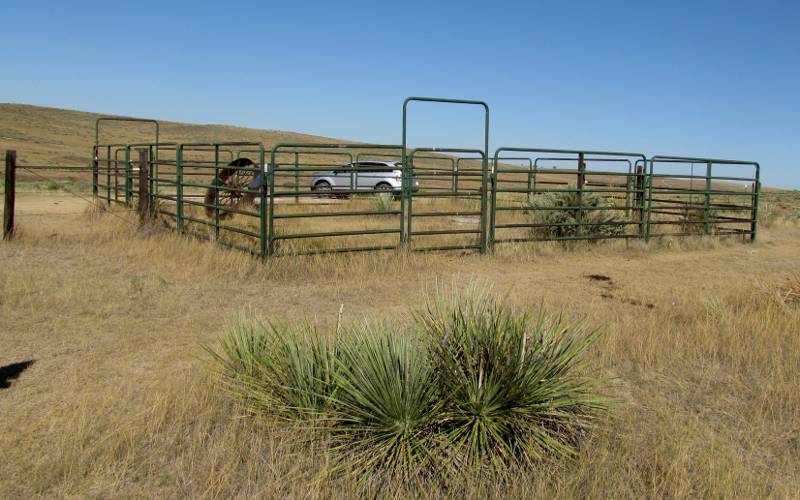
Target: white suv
363, 176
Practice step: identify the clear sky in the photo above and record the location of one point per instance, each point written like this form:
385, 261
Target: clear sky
712, 78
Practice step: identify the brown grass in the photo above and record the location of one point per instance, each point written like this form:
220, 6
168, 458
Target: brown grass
120, 402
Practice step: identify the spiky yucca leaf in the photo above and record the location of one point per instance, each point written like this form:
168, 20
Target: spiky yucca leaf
512, 389
474, 383
383, 410
275, 369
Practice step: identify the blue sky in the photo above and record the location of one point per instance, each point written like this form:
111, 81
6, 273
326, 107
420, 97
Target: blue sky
716, 79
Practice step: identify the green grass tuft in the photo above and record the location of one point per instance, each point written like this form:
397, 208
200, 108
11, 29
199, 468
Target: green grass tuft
514, 389
472, 384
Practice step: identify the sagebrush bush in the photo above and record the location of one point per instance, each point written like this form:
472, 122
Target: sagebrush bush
383, 202
556, 215
472, 383
691, 220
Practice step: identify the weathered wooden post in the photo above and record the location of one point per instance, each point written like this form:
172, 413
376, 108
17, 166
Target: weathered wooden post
581, 182
144, 191
641, 184
10, 187
95, 172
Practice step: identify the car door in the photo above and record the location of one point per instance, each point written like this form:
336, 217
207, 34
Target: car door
342, 179
369, 174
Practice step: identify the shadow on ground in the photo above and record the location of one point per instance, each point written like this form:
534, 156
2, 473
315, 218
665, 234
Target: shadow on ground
13, 371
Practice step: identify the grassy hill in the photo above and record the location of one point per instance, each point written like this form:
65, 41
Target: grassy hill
51, 136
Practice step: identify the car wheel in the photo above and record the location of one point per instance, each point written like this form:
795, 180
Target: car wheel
323, 188
384, 186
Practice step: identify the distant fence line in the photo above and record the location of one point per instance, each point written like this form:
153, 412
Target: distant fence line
312, 198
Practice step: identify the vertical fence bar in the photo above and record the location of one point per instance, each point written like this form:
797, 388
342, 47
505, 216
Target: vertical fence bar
403, 185
640, 197
179, 188
127, 176
95, 172
486, 240
406, 185
216, 192
108, 175
270, 177
154, 173
144, 188
756, 197
10, 194
116, 176
707, 204
152, 160
581, 182
262, 212
455, 175
648, 181
296, 178
493, 213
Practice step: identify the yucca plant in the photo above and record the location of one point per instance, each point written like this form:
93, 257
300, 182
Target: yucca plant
512, 389
381, 417
278, 370
556, 215
473, 383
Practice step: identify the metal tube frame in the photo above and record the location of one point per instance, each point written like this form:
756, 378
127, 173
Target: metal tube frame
581, 158
312, 148
707, 193
410, 213
484, 182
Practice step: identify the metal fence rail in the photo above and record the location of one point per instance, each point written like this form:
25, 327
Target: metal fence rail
563, 204
684, 203
340, 212
308, 198
442, 217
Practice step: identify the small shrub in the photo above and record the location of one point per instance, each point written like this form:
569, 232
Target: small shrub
473, 383
602, 219
278, 370
767, 214
691, 220
383, 202
385, 407
512, 388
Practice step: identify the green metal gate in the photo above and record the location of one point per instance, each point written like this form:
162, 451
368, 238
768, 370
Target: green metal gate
450, 209
272, 203
564, 204
305, 219
702, 196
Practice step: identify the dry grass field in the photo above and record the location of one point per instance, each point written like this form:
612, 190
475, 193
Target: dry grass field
699, 340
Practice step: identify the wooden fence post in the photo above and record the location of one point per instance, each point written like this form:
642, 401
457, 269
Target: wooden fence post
10, 192
144, 185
